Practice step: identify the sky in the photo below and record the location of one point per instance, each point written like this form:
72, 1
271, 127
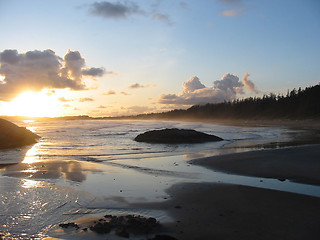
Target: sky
123, 57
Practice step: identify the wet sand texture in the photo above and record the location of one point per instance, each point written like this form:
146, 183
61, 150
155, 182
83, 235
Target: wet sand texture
221, 211
298, 164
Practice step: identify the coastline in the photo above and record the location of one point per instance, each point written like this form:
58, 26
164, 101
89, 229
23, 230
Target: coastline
298, 164
230, 211
200, 210
225, 211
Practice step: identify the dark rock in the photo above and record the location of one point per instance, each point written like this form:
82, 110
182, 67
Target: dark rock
281, 179
12, 136
162, 237
69, 225
101, 227
122, 233
175, 135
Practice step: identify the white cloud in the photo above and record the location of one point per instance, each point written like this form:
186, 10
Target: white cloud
248, 83
194, 92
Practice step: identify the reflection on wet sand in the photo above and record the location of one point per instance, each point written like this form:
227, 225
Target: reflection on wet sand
70, 170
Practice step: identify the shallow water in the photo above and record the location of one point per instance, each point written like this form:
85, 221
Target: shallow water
85, 167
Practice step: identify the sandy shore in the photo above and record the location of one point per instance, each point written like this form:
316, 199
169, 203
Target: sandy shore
221, 211
300, 164
225, 211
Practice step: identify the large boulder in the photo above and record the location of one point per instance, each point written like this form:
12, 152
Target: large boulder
175, 135
12, 136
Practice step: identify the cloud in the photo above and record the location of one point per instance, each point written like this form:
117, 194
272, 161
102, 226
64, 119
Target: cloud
183, 4
138, 85
230, 1
194, 92
94, 72
86, 99
37, 70
62, 99
192, 84
110, 92
233, 12
125, 94
238, 8
102, 107
116, 10
162, 17
248, 83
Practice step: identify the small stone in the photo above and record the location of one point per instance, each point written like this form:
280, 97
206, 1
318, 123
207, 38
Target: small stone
69, 225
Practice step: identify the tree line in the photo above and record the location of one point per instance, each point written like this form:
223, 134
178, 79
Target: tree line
296, 104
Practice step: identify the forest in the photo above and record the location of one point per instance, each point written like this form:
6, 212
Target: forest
296, 104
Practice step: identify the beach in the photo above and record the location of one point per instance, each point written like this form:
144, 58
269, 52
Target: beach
240, 189
228, 211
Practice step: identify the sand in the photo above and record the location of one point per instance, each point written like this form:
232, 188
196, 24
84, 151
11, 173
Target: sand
221, 211
299, 164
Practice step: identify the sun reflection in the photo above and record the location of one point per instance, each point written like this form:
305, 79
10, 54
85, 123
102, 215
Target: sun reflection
27, 183
31, 155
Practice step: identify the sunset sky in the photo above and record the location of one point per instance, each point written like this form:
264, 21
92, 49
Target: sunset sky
110, 58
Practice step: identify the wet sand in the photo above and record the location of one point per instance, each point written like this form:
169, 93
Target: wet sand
221, 211
227, 211
299, 164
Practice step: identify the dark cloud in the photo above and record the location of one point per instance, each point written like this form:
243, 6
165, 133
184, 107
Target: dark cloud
194, 92
114, 10
94, 72
86, 99
138, 85
37, 70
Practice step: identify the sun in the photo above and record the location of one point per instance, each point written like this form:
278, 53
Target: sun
34, 104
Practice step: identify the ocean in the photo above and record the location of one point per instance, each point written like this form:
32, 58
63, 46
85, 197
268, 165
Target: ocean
82, 167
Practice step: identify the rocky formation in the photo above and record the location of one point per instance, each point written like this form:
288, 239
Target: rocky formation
175, 135
123, 226
13, 136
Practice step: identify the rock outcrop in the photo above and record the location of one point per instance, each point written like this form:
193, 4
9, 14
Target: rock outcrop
12, 136
175, 135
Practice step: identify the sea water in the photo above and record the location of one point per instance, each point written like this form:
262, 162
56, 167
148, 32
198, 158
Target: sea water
90, 166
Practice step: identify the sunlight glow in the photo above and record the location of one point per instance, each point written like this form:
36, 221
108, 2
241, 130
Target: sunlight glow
34, 104
31, 155
27, 183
